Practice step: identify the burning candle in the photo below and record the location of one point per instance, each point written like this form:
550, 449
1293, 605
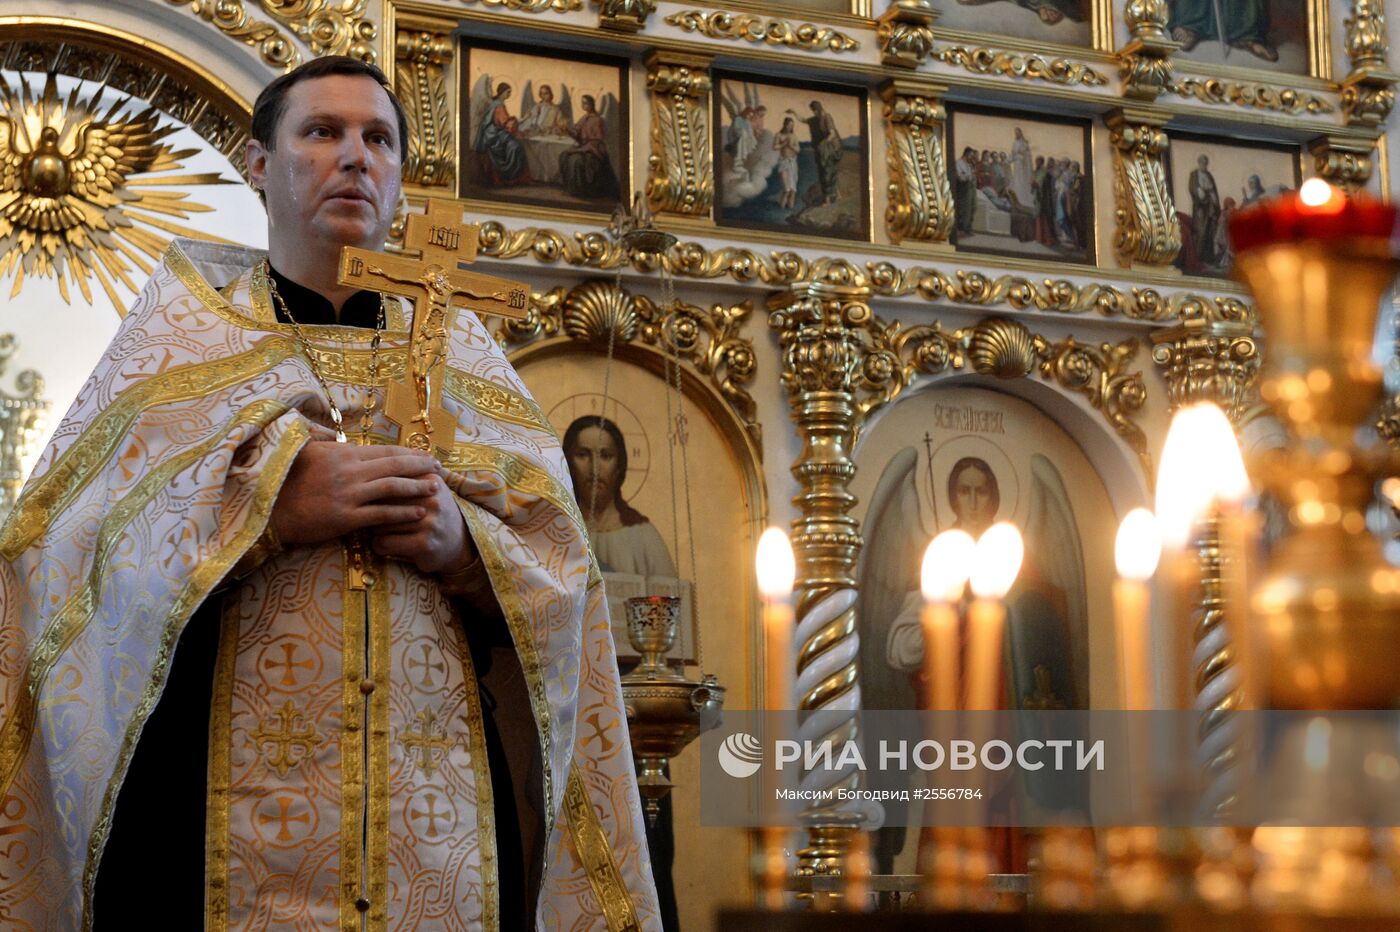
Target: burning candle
777, 571
1317, 211
1136, 551
996, 562
946, 567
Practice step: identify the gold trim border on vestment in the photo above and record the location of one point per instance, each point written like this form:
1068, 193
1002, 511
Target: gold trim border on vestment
203, 580
522, 634
591, 845
485, 790
352, 760
381, 659
216, 806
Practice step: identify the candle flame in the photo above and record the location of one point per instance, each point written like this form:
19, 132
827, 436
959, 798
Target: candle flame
1199, 433
776, 566
1138, 546
947, 565
1000, 551
1316, 192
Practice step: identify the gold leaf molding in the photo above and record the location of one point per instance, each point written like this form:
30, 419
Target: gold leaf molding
594, 249
533, 6
1253, 96
1021, 65
749, 27
328, 27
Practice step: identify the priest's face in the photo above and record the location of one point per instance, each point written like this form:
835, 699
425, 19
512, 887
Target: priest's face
333, 178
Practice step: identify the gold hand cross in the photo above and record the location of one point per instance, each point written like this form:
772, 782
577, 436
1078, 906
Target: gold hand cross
434, 282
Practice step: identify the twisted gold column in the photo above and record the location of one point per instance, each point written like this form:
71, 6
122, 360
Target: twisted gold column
1212, 360
820, 324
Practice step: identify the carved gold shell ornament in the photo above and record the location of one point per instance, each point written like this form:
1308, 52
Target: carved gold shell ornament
599, 312
85, 191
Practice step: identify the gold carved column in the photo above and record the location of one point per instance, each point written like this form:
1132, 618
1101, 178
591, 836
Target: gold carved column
920, 198
681, 176
1345, 161
1148, 231
1368, 92
1145, 62
423, 81
905, 33
1209, 358
821, 324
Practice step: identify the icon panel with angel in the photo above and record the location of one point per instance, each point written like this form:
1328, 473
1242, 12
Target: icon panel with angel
544, 129
967, 457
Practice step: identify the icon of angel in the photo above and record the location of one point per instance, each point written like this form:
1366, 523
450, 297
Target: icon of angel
1047, 607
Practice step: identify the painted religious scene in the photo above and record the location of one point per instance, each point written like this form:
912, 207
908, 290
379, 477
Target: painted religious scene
1210, 180
1268, 34
966, 458
1020, 186
791, 158
1066, 22
545, 130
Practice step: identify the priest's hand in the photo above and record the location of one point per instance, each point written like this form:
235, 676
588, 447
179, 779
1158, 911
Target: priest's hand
438, 541
335, 489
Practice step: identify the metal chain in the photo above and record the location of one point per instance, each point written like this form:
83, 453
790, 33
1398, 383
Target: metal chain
367, 417
668, 294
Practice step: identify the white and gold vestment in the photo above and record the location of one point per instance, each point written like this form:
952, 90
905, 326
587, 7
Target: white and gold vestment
347, 769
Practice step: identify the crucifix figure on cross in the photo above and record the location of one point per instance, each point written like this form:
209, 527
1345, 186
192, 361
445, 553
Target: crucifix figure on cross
435, 284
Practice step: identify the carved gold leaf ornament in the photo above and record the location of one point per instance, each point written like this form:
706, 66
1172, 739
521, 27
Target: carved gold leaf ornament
421, 65
532, 6
593, 249
709, 341
1147, 228
681, 175
73, 178
232, 19
762, 30
1021, 65
832, 342
1253, 96
328, 27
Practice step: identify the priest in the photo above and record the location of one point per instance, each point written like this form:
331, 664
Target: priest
241, 627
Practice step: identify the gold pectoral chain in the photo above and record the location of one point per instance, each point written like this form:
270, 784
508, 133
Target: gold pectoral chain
357, 570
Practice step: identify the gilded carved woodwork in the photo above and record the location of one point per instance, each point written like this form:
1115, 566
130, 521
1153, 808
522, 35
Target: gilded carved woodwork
327, 27
422, 70
920, 196
533, 6
905, 33
624, 15
1147, 226
762, 30
75, 179
1368, 92
232, 19
1145, 63
1250, 96
596, 250
215, 119
598, 311
1366, 40
1202, 360
1215, 361
1344, 162
21, 421
680, 169
825, 329
1023, 65
1019, 293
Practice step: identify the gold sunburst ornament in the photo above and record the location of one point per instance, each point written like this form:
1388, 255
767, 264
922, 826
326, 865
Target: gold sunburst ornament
83, 192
